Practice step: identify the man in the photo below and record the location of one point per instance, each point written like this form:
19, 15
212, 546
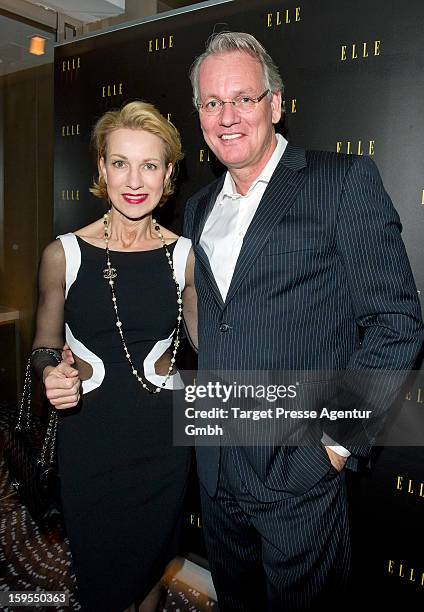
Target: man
299, 266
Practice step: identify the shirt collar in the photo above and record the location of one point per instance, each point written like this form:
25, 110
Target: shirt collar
229, 189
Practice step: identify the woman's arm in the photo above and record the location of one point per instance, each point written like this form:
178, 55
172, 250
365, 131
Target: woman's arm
61, 381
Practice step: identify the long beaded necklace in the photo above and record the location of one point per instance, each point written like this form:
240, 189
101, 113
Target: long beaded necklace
109, 273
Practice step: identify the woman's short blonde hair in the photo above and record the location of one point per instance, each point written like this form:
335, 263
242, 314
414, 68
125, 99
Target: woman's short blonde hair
137, 116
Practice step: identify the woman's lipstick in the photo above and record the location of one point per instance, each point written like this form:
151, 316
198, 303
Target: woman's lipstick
130, 198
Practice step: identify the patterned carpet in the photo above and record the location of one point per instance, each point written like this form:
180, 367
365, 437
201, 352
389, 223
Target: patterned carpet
29, 559
34, 561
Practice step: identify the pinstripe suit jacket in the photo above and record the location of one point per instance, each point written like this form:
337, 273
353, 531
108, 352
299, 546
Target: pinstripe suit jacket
322, 283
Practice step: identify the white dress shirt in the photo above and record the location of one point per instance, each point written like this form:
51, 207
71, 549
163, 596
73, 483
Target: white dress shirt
229, 220
226, 226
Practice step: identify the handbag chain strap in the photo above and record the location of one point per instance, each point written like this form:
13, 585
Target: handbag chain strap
23, 422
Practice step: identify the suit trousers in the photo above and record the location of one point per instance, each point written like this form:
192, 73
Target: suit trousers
289, 554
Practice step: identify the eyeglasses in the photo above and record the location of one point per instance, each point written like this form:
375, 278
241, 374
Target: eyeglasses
244, 104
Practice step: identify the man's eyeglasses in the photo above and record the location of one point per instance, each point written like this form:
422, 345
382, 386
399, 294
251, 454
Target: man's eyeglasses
242, 103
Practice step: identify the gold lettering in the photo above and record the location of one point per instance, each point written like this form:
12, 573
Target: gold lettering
70, 194
293, 105
390, 568
71, 130
74, 64
355, 50
408, 396
422, 490
422, 198
280, 17
204, 155
422, 579
410, 489
350, 146
159, 44
399, 483
411, 574
195, 520
419, 396
401, 574
114, 89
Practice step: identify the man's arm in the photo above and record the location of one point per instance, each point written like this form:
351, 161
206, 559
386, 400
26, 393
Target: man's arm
384, 300
189, 218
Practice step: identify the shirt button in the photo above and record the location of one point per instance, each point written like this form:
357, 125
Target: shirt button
224, 327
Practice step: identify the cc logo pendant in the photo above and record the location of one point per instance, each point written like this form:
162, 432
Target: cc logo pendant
109, 273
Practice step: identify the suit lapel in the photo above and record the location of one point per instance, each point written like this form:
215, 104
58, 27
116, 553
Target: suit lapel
279, 196
204, 208
203, 211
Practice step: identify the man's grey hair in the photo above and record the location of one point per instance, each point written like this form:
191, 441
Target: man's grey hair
225, 42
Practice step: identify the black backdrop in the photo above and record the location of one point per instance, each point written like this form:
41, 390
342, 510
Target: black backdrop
354, 82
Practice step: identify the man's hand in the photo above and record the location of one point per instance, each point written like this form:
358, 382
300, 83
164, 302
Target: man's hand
62, 385
336, 460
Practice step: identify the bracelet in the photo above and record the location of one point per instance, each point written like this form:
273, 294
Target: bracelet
42, 357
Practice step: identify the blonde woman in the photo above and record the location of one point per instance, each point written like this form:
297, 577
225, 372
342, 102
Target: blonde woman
116, 290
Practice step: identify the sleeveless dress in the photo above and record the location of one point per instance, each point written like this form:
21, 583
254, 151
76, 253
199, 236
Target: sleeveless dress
123, 482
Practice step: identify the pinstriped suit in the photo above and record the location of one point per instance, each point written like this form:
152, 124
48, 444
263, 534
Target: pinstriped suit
322, 283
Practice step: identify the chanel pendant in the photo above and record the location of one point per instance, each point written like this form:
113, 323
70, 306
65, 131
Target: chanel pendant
109, 273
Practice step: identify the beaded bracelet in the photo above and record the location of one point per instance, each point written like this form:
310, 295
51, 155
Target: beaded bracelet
42, 357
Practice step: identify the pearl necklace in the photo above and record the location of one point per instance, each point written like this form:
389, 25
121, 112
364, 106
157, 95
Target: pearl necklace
109, 273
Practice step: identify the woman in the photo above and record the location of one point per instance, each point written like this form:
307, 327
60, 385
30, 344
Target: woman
118, 286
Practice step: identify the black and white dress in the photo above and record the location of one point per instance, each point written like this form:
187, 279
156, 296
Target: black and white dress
123, 481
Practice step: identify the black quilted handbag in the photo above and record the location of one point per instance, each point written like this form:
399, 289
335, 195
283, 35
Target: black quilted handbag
30, 457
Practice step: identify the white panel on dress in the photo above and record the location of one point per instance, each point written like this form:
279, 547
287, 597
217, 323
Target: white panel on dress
179, 259
80, 350
73, 258
73, 263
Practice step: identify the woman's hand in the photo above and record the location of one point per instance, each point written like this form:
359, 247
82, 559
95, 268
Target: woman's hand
62, 385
